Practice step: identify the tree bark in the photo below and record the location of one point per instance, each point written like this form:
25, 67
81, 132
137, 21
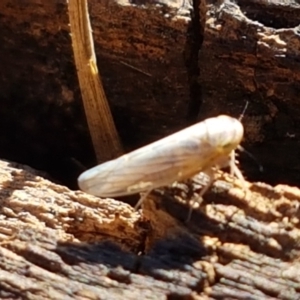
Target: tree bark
63, 244
155, 70
141, 58
249, 53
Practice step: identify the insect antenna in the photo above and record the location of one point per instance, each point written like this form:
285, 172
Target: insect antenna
243, 112
240, 148
80, 166
260, 166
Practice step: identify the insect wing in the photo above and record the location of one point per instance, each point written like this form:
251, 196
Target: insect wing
152, 166
176, 157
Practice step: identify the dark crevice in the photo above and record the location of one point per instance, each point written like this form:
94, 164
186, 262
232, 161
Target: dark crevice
195, 33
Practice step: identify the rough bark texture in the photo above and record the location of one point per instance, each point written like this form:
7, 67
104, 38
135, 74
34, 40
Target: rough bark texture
140, 53
62, 244
154, 77
251, 53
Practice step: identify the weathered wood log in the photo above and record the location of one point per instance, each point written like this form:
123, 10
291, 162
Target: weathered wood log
148, 56
62, 244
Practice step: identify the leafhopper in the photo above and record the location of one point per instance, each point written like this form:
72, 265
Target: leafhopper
203, 147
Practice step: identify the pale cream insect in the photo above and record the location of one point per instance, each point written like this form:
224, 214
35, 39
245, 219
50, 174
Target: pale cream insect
199, 148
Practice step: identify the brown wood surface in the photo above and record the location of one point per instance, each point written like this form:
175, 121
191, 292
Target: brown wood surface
141, 59
61, 244
250, 53
156, 79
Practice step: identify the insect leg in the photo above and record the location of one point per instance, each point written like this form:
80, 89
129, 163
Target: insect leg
143, 197
234, 170
211, 175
